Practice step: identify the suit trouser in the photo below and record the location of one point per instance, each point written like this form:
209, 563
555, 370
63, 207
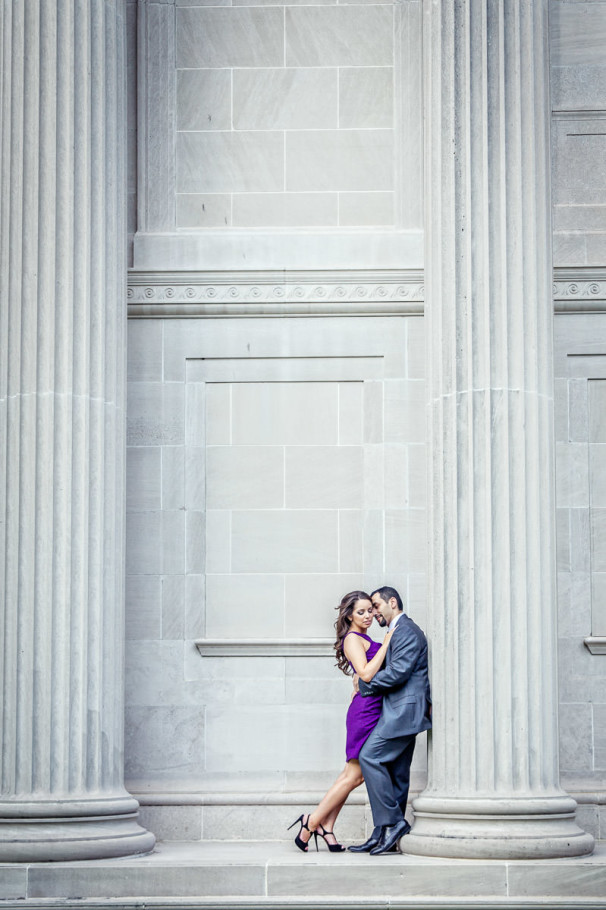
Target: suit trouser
385, 765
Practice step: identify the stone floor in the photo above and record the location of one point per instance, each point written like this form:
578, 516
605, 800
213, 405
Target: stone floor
249, 875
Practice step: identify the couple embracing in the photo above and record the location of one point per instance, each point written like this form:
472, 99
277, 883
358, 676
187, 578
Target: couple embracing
390, 706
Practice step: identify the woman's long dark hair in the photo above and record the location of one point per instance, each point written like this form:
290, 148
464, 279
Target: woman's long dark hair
343, 626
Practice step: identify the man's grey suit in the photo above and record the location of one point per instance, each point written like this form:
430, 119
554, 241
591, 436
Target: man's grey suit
387, 753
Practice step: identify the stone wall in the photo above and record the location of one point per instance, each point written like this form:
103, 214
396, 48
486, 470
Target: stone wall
276, 415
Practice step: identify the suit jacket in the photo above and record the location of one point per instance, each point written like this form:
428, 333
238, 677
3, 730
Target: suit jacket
403, 682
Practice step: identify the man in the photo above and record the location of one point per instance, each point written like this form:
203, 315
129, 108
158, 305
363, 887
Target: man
387, 753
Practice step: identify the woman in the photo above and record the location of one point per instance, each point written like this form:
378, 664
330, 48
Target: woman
356, 652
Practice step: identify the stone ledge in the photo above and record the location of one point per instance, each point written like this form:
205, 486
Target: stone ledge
252, 876
267, 647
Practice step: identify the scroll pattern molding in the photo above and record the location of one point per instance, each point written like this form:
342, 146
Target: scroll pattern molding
304, 293
242, 293
579, 290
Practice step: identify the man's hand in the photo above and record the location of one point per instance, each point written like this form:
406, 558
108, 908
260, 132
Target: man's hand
356, 683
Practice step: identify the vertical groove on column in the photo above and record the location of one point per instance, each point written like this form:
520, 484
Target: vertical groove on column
63, 378
62, 295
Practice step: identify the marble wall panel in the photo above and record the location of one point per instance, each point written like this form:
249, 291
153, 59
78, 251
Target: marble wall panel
598, 603
289, 98
224, 162
323, 477
404, 411
155, 543
143, 477
173, 607
350, 413
194, 606
366, 208
144, 359
572, 475
280, 413
577, 32
173, 477
579, 87
288, 541
216, 37
597, 474
194, 486
155, 414
373, 412
169, 823
599, 726
204, 210
597, 410
246, 738
285, 209
195, 542
218, 541
598, 540
351, 540
245, 477
164, 742
378, 489
143, 607
354, 36
576, 752
218, 414
245, 606
312, 601
396, 476
374, 547
404, 529
574, 598
579, 150
306, 743
204, 99
366, 97
348, 160
578, 410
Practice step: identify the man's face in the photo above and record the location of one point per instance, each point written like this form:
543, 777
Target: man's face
383, 613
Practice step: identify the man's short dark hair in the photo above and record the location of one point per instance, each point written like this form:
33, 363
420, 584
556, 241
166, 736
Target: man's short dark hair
385, 593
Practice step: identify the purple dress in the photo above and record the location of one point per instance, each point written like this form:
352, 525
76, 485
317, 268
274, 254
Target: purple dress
363, 713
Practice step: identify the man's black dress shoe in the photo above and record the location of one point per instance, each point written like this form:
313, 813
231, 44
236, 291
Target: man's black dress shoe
368, 845
390, 837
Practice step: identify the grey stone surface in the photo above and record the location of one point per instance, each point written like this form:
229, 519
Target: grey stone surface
289, 98
344, 160
249, 161
355, 36
229, 37
211, 85
558, 880
366, 97
367, 208
285, 209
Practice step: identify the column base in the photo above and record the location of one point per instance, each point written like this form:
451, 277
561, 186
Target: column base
500, 828
59, 833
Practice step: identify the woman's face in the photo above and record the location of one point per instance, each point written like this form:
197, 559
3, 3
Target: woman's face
362, 614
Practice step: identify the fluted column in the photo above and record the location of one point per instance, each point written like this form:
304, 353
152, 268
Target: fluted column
493, 787
62, 363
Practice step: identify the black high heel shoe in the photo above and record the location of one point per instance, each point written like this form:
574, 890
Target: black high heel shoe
301, 843
323, 833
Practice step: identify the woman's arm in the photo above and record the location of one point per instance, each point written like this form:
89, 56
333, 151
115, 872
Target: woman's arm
356, 653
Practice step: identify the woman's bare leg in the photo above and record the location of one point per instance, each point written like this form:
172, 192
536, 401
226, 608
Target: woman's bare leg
327, 810
330, 805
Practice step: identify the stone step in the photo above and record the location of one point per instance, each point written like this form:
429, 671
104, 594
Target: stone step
256, 875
